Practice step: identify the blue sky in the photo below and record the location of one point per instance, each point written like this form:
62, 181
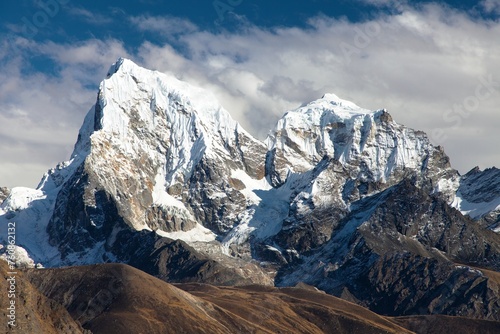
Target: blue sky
434, 65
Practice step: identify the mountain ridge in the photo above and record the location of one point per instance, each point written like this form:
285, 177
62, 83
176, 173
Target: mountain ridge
116, 298
338, 196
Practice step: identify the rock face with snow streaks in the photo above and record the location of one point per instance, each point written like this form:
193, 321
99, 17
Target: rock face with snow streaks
158, 155
479, 196
355, 153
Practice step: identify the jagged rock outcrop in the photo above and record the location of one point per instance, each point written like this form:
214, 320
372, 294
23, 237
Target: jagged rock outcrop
4, 193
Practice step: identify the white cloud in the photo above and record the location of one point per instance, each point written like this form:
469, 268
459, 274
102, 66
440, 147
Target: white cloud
393, 5
40, 114
89, 17
379, 2
415, 59
490, 6
166, 26
418, 63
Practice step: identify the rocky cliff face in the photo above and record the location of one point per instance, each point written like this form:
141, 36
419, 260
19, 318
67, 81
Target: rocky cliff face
347, 154
338, 196
479, 196
417, 259
370, 146
4, 193
153, 153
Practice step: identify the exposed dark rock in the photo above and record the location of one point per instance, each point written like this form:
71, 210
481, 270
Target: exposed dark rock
385, 117
82, 217
168, 219
480, 186
405, 284
212, 204
4, 193
402, 259
176, 261
438, 324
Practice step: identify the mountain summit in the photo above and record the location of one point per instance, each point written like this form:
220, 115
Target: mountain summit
339, 197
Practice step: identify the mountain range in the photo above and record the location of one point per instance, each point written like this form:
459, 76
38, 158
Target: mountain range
339, 198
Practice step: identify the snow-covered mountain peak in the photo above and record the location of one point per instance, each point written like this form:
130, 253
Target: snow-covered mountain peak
479, 195
334, 100
329, 108
158, 147
139, 111
153, 153
367, 143
328, 111
137, 106
127, 84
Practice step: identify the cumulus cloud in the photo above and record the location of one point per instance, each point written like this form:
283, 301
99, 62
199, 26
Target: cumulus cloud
419, 63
